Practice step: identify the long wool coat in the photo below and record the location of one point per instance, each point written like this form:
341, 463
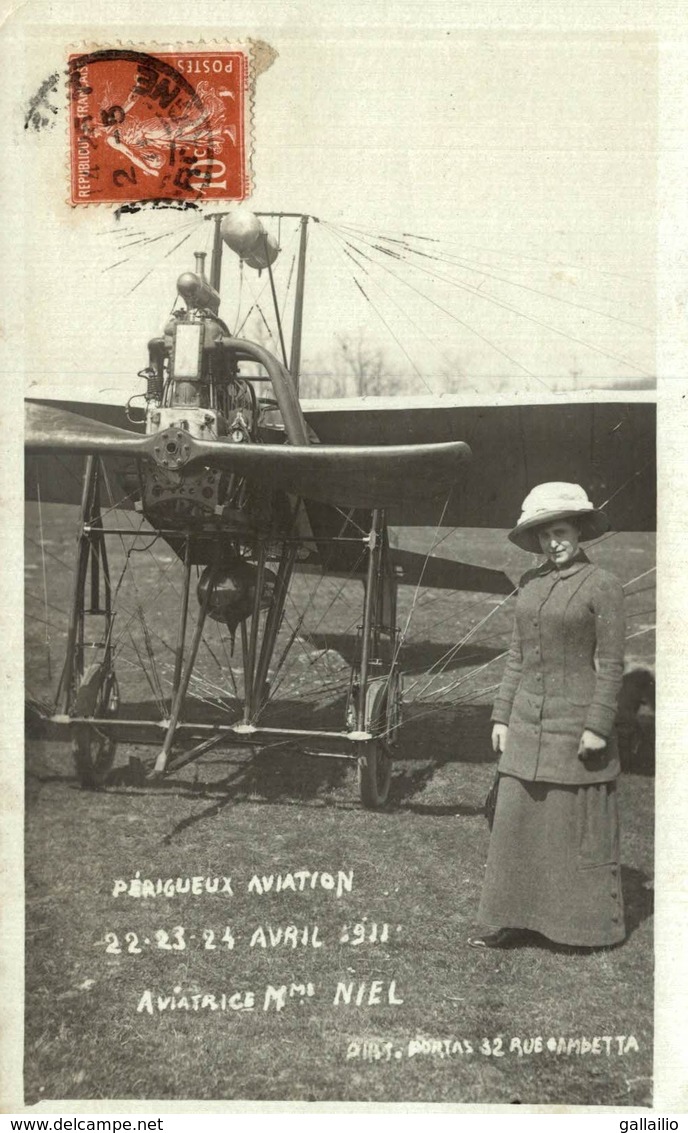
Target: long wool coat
563, 674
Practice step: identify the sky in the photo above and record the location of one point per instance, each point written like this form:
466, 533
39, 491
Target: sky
530, 160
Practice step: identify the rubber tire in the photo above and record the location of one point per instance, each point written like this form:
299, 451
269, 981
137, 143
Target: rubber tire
94, 752
374, 775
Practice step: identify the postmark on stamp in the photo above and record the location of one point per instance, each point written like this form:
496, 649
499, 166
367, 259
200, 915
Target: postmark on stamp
164, 126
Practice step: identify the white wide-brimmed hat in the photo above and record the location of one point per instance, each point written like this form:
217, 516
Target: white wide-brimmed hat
549, 502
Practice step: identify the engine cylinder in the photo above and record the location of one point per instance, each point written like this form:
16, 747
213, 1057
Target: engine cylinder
197, 292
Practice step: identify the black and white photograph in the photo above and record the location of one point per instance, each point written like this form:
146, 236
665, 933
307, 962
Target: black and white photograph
339, 340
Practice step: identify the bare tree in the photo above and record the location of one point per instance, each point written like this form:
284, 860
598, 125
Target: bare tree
366, 365
354, 367
258, 330
319, 380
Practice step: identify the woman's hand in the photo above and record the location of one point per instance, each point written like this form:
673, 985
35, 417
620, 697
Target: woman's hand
499, 734
590, 743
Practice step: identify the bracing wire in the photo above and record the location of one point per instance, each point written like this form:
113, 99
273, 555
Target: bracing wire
256, 300
166, 254
347, 252
460, 261
640, 632
302, 615
50, 554
625, 484
277, 683
146, 241
452, 315
423, 696
402, 635
522, 314
42, 621
49, 605
455, 649
381, 316
45, 579
502, 252
637, 578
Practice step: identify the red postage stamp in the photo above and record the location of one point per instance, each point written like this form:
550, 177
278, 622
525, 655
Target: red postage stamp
158, 127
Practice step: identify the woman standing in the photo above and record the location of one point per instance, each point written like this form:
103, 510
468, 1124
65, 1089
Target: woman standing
553, 861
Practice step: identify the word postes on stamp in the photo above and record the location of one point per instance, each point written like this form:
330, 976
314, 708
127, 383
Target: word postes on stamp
149, 127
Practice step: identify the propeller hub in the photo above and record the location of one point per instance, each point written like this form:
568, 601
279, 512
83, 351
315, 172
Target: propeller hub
171, 449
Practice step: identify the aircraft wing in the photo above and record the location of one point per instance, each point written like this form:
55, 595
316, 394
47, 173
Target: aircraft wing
608, 447
56, 475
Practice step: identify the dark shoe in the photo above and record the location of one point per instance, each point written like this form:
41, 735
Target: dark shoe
501, 938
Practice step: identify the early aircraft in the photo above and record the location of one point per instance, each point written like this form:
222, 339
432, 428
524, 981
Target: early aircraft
247, 487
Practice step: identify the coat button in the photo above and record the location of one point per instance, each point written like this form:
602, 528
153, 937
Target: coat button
615, 919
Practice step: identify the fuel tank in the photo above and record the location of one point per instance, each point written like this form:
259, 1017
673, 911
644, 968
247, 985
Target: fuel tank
243, 232
233, 593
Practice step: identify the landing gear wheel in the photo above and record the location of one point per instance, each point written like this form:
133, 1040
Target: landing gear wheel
375, 758
374, 774
92, 747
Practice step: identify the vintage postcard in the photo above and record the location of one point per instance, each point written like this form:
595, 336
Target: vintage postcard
346, 367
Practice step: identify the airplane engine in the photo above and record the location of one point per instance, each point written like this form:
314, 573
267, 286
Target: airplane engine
193, 387
191, 372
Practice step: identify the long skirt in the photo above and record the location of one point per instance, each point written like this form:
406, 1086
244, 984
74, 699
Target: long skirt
553, 863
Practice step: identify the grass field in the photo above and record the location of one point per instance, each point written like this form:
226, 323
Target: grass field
535, 1025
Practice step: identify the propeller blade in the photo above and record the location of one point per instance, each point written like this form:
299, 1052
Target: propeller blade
345, 475
48, 427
